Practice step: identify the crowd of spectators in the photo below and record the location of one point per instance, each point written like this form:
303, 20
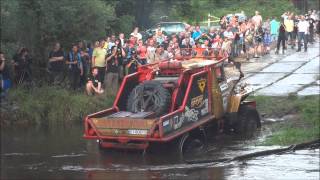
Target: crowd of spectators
101, 65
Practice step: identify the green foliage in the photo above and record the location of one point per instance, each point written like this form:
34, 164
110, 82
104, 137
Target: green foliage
53, 106
306, 127
36, 24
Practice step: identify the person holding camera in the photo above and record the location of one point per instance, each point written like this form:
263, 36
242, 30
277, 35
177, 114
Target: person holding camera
121, 54
22, 62
112, 69
133, 62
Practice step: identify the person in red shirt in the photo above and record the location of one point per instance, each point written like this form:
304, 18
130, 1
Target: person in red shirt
142, 52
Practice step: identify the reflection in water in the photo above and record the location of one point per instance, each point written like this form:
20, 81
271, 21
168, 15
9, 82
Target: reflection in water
63, 154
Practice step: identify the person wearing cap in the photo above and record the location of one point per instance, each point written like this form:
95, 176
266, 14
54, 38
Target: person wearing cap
136, 33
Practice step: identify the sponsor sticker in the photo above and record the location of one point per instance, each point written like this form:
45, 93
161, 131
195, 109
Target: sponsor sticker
165, 123
202, 84
191, 114
177, 122
205, 109
223, 86
197, 102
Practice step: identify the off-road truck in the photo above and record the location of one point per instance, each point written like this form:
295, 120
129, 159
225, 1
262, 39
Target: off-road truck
171, 99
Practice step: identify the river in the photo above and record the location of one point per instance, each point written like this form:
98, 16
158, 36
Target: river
63, 154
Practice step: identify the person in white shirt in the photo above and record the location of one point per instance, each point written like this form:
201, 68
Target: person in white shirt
136, 33
303, 27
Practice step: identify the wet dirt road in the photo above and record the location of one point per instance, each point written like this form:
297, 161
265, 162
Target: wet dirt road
63, 154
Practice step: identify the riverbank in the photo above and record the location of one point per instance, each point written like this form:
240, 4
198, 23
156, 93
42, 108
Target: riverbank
54, 107
299, 118
49, 106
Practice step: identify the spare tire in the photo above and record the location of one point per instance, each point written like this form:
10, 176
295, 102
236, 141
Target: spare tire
149, 96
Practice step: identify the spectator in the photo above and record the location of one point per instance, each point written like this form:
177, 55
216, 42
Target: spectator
121, 54
311, 29
56, 64
142, 52
281, 37
181, 37
258, 40
86, 61
161, 54
75, 67
99, 60
122, 39
295, 29
205, 44
266, 42
228, 34
106, 44
90, 48
266, 26
274, 27
5, 82
212, 34
112, 41
176, 51
217, 41
93, 85
136, 33
257, 19
235, 42
289, 26
133, 63
223, 22
248, 41
187, 42
285, 15
197, 33
159, 37
303, 27
112, 75
150, 50
22, 62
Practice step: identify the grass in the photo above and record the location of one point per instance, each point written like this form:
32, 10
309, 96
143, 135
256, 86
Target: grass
305, 128
52, 106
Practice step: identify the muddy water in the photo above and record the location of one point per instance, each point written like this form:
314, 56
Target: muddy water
63, 154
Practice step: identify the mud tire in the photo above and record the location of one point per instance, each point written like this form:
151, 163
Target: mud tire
248, 121
149, 96
191, 144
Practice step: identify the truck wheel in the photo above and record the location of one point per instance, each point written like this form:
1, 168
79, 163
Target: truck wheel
149, 96
248, 121
192, 144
